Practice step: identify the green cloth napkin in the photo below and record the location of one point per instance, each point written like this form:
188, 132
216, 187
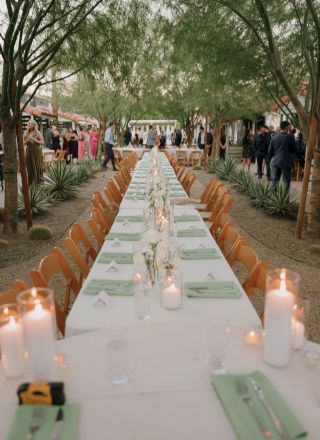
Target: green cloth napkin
186, 218
212, 289
118, 257
192, 233
177, 194
113, 287
240, 414
136, 197
199, 254
24, 416
124, 236
130, 218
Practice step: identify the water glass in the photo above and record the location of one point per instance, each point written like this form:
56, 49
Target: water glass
217, 332
299, 322
142, 299
117, 355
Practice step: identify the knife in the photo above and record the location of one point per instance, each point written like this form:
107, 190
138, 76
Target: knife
271, 412
57, 425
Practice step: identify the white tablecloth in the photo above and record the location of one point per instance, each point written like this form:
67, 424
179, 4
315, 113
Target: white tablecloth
85, 317
169, 394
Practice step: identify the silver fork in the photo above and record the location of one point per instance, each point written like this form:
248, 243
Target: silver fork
243, 393
36, 422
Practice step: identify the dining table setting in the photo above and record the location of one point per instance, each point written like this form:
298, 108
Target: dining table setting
162, 341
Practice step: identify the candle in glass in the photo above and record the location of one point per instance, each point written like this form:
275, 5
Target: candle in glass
172, 297
39, 331
11, 342
298, 323
281, 288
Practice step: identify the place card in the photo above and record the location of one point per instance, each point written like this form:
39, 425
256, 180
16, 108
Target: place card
102, 299
112, 267
125, 222
192, 227
201, 246
209, 276
116, 243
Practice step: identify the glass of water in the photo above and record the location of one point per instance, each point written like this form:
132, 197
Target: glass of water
117, 355
217, 332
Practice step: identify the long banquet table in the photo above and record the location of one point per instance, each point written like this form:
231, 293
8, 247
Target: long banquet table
169, 393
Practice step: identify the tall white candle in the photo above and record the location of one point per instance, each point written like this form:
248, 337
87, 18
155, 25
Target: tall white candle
12, 349
40, 343
277, 325
172, 297
165, 231
298, 331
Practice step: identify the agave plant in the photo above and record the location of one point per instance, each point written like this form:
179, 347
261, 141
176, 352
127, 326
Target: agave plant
279, 201
60, 181
242, 180
260, 193
40, 200
83, 171
224, 169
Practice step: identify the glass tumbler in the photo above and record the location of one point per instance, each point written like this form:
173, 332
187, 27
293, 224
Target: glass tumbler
117, 355
217, 332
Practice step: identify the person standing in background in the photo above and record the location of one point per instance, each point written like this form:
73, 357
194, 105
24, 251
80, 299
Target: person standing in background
87, 141
48, 137
73, 143
140, 136
178, 138
94, 137
109, 143
127, 137
260, 147
247, 149
223, 145
81, 145
55, 138
152, 137
201, 138
34, 159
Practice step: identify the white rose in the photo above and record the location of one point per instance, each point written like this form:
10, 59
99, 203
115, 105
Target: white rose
151, 237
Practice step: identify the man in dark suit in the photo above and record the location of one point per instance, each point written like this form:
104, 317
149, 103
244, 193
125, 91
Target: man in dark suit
282, 148
201, 138
178, 138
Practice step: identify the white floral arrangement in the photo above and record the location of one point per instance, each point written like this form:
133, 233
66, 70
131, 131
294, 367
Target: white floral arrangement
150, 241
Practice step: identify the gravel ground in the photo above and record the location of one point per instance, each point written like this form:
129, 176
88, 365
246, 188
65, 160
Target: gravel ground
273, 240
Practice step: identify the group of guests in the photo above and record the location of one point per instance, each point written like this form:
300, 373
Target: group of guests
149, 138
74, 142
276, 150
202, 141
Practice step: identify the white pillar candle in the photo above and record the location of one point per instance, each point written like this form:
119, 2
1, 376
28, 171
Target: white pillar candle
298, 331
12, 349
40, 343
165, 231
277, 325
172, 297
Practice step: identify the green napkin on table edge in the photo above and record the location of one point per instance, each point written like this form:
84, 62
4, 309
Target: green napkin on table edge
186, 218
130, 218
24, 415
192, 233
212, 289
240, 414
118, 257
113, 287
136, 197
124, 236
199, 254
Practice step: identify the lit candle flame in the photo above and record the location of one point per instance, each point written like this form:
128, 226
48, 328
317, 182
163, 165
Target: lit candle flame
12, 322
283, 285
34, 292
38, 307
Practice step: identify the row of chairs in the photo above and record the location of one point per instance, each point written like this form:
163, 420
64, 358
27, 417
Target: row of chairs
79, 246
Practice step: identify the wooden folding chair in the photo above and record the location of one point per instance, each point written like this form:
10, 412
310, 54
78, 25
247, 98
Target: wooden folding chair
181, 157
117, 157
195, 158
48, 158
60, 154
188, 183
111, 195
77, 257
118, 177
98, 225
109, 212
214, 228
54, 263
18, 286
224, 200
78, 235
228, 238
180, 172
220, 221
218, 191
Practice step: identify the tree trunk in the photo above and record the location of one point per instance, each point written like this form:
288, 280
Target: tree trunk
311, 142
24, 177
55, 98
189, 132
314, 219
216, 138
10, 221
102, 129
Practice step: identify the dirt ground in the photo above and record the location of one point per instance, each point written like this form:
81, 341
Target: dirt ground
271, 237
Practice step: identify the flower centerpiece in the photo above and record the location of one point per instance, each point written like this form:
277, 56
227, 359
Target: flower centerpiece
151, 240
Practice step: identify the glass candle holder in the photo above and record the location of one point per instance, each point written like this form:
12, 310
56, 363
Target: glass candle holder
37, 310
299, 322
281, 291
13, 356
172, 290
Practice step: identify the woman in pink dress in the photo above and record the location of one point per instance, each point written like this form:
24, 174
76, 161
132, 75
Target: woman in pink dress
81, 145
94, 136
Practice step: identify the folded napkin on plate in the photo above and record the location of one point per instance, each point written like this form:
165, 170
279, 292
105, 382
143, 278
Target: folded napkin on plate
112, 287
240, 414
24, 415
186, 218
124, 236
118, 257
192, 233
212, 289
177, 194
130, 218
199, 254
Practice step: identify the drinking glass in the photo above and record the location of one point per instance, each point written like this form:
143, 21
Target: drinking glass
117, 355
299, 323
142, 298
217, 333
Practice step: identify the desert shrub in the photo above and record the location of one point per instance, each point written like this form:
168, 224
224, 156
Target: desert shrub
40, 232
